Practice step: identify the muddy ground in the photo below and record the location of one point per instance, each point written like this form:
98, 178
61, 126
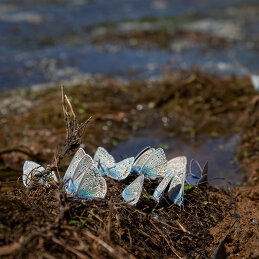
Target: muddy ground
46, 223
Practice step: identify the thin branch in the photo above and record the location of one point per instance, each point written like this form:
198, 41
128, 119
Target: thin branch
70, 106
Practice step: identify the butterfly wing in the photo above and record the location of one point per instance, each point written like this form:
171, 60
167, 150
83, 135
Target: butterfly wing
72, 186
191, 180
179, 164
162, 185
72, 166
196, 173
156, 165
141, 153
92, 188
204, 179
121, 170
133, 191
92, 184
85, 162
141, 159
30, 169
103, 159
80, 168
196, 170
175, 194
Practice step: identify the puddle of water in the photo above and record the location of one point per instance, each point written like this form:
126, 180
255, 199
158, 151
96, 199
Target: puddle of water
218, 152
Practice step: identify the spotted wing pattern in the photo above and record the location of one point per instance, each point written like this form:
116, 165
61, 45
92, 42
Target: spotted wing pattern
120, 170
163, 184
141, 153
73, 164
80, 168
85, 162
156, 165
92, 184
103, 159
179, 165
133, 191
141, 159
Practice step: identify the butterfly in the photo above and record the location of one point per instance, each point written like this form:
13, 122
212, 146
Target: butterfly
197, 174
72, 166
141, 158
80, 168
121, 169
86, 181
154, 166
163, 184
107, 165
176, 188
133, 191
31, 169
103, 159
91, 184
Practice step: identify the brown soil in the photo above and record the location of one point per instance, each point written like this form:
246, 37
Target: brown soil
45, 223
243, 240
61, 226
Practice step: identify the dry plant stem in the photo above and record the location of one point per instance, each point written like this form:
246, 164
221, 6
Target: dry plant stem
100, 242
74, 132
69, 248
166, 239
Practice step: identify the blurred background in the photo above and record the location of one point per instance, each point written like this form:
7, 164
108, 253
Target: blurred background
49, 41
123, 59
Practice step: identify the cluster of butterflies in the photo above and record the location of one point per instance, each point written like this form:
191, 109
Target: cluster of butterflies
84, 177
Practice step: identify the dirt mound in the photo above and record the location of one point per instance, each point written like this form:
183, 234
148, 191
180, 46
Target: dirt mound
58, 225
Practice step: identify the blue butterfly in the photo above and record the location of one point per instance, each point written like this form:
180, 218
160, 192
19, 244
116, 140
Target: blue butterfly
81, 167
80, 153
141, 158
152, 165
132, 192
103, 160
107, 165
31, 169
176, 188
86, 180
91, 185
120, 170
197, 174
163, 184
